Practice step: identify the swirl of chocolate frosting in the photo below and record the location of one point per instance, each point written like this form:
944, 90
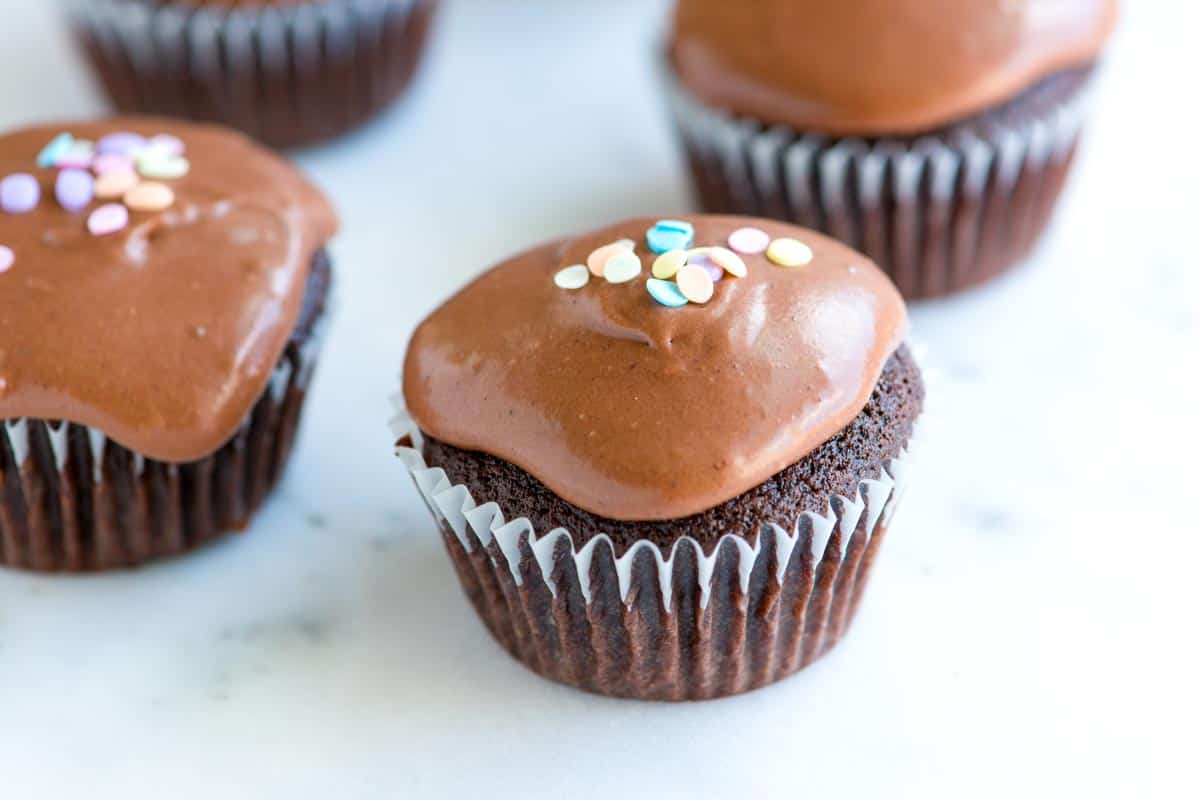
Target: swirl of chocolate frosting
164, 334
878, 67
634, 411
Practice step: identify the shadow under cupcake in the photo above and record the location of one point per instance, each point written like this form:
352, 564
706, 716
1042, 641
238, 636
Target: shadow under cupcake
933, 137
663, 456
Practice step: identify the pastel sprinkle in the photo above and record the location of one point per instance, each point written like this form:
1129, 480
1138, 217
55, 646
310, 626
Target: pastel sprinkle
601, 255
666, 293
115, 183
573, 277
670, 234
149, 196
695, 284
19, 193
123, 144
729, 261
109, 162
108, 219
623, 267
749, 241
628, 244
707, 264
789, 253
7, 258
78, 156
74, 189
670, 262
160, 166
52, 152
166, 143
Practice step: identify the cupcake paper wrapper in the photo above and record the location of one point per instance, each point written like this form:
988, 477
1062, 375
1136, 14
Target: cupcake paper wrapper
289, 76
73, 500
682, 625
938, 213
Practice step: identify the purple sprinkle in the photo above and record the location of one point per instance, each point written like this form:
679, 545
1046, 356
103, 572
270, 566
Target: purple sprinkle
74, 189
121, 144
108, 219
167, 144
705, 263
19, 193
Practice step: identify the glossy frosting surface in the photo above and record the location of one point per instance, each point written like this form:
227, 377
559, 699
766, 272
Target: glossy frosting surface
635, 411
162, 335
873, 67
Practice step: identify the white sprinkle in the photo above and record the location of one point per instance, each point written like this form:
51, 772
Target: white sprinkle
573, 277
623, 267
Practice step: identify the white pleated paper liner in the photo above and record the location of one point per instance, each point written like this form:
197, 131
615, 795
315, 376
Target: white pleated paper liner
287, 75
938, 213
73, 500
679, 625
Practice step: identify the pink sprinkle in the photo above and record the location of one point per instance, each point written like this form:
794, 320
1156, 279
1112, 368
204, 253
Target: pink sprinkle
749, 241
111, 162
7, 257
108, 219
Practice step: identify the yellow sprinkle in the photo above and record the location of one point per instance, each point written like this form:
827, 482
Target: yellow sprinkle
670, 262
789, 253
729, 261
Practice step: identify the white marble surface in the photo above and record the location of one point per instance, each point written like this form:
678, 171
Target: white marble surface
1030, 628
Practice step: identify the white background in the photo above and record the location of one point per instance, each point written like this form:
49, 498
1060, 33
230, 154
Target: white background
1030, 630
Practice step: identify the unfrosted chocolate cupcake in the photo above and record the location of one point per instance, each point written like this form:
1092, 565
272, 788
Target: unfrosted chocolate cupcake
663, 455
162, 287
288, 72
934, 137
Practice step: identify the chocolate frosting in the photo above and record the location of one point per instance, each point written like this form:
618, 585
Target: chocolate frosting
163, 335
873, 67
634, 411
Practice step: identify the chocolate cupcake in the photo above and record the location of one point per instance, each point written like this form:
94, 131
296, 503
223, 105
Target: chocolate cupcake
162, 288
934, 137
288, 72
668, 487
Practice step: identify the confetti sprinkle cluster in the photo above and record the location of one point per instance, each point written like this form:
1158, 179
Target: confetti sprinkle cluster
682, 273
125, 167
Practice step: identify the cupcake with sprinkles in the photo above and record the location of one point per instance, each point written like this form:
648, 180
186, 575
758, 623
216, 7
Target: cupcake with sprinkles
162, 289
663, 456
934, 137
288, 72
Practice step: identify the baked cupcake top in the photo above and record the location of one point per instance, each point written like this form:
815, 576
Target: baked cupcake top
648, 398
151, 273
868, 67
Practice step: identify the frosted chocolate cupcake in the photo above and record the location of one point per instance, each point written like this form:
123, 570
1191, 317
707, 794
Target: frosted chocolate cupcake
288, 72
663, 455
934, 137
162, 287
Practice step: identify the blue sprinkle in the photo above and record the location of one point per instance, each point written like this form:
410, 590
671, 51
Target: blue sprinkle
666, 293
670, 234
55, 150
